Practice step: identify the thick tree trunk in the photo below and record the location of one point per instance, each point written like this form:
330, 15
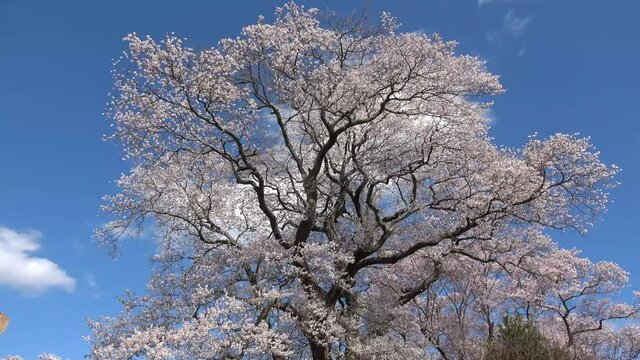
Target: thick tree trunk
319, 351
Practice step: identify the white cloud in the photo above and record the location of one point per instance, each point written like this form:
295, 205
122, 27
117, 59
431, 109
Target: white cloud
515, 25
20, 270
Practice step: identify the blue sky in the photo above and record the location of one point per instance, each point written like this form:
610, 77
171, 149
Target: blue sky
568, 66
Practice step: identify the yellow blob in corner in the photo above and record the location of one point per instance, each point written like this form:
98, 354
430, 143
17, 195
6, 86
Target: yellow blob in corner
4, 322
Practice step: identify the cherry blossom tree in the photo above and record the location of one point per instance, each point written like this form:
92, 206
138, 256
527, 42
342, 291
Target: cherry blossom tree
326, 187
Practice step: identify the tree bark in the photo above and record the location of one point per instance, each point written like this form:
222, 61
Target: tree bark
319, 351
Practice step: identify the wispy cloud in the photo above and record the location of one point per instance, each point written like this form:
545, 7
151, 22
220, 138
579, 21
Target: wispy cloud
93, 285
487, 2
21, 270
490, 117
494, 37
513, 27
78, 246
522, 51
516, 25
484, 2
496, 2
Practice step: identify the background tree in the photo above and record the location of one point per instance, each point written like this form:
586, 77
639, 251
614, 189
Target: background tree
328, 189
520, 339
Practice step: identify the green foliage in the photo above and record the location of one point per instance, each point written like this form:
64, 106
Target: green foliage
520, 339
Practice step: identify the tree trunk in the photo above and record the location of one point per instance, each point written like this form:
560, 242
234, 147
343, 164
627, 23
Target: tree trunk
319, 351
